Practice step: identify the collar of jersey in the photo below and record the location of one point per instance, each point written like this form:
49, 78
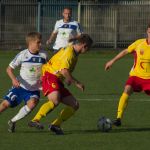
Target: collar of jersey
33, 53
68, 21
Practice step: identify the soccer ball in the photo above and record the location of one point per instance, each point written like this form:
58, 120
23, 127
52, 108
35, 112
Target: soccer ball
104, 124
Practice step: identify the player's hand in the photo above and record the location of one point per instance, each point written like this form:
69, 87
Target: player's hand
15, 83
108, 65
48, 42
80, 86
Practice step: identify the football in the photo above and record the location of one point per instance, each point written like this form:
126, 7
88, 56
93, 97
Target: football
104, 124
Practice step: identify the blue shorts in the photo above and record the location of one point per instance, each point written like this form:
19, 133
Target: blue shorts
16, 95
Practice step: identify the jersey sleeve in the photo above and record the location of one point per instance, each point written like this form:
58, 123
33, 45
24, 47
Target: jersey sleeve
16, 61
56, 27
133, 46
79, 29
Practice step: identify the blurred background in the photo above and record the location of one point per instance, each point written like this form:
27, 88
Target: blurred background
111, 23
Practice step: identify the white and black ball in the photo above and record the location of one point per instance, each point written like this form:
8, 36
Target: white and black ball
104, 124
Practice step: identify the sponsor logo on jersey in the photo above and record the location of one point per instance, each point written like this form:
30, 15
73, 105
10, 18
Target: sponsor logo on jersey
53, 85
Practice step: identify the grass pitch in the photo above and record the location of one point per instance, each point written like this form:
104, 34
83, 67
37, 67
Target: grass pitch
100, 97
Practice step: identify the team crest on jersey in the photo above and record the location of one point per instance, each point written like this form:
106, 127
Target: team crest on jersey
65, 25
141, 51
53, 85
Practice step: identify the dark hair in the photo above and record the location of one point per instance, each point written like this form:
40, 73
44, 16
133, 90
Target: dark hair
31, 36
83, 38
68, 8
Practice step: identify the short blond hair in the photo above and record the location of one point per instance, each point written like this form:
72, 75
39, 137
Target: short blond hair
32, 36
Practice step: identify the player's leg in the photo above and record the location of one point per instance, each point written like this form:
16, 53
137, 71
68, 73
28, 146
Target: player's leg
53, 101
65, 114
31, 99
4, 105
12, 99
68, 111
123, 104
25, 110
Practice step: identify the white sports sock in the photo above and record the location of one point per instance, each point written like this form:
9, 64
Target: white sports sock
21, 114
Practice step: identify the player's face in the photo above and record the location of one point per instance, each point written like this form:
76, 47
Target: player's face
35, 45
148, 33
67, 15
82, 47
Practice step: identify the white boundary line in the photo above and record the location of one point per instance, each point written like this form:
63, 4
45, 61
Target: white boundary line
110, 100
106, 99
113, 99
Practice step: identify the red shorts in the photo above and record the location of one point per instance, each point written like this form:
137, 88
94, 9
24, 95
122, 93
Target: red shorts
139, 84
52, 83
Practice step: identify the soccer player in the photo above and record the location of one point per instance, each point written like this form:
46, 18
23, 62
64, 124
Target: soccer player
139, 77
26, 86
64, 29
57, 70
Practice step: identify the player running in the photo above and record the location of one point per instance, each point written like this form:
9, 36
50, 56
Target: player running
139, 77
26, 86
57, 70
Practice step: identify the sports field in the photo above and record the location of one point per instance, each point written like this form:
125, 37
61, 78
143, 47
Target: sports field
100, 98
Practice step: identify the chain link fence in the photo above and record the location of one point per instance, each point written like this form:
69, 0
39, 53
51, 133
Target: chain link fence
111, 23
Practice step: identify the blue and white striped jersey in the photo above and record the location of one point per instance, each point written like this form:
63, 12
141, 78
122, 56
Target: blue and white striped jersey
30, 68
65, 31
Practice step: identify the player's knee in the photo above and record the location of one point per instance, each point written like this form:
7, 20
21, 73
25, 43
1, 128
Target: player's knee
128, 89
32, 103
4, 105
56, 102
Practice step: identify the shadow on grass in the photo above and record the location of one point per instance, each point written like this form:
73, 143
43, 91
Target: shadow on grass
65, 131
130, 129
113, 131
91, 131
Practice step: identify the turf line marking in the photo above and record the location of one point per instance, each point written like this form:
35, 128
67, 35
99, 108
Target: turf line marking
111, 100
103, 99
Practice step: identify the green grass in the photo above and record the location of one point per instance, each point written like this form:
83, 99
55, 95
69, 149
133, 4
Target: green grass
101, 95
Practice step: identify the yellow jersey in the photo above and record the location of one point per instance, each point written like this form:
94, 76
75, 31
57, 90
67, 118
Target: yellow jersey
65, 58
141, 51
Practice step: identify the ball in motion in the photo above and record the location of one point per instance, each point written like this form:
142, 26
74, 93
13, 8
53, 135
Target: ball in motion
104, 124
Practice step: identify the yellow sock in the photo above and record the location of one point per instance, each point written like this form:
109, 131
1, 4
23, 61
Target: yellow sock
122, 105
65, 114
44, 109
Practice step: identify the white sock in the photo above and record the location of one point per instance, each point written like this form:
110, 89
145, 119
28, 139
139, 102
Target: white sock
21, 114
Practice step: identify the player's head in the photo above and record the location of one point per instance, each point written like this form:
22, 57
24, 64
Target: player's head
67, 14
33, 40
82, 43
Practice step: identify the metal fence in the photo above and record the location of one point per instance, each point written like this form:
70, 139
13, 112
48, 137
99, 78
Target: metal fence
111, 23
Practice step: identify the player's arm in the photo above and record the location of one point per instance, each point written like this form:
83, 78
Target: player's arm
10, 73
53, 34
109, 64
69, 79
79, 29
51, 38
